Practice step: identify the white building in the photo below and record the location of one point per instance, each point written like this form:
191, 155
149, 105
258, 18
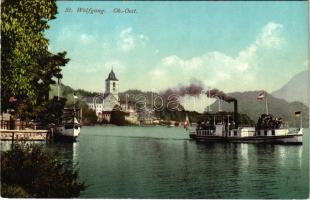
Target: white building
103, 105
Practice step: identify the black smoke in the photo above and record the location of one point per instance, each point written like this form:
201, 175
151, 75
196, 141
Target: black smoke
193, 89
219, 94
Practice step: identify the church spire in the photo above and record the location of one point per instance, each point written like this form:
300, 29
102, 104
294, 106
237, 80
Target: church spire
112, 76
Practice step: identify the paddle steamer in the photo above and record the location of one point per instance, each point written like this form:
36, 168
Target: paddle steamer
225, 128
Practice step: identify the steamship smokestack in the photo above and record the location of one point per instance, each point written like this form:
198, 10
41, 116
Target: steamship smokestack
236, 118
223, 97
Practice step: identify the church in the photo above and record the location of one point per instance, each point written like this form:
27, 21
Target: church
104, 104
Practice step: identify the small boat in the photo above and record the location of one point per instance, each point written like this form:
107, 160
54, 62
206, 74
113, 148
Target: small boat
69, 127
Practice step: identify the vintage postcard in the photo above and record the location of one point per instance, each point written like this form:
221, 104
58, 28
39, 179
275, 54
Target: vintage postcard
154, 99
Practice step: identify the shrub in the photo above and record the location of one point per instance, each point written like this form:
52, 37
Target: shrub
32, 171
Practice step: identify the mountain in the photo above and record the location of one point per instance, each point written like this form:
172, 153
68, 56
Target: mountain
295, 89
248, 104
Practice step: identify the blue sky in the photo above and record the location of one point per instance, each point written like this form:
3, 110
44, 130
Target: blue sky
233, 46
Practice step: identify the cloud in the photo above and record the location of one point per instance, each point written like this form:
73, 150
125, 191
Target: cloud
157, 72
143, 37
128, 40
174, 60
270, 35
73, 35
86, 38
217, 67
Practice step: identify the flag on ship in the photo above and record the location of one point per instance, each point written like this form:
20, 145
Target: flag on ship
297, 113
186, 123
261, 95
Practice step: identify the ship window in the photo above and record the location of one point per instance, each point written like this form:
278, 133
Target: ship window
273, 132
265, 132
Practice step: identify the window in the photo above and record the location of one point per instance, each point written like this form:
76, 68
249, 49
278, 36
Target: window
273, 132
235, 133
265, 132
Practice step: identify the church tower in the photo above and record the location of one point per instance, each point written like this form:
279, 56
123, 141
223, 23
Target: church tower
111, 85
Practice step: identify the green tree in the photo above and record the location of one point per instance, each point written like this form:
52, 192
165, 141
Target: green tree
53, 111
27, 67
13, 191
118, 116
89, 115
32, 171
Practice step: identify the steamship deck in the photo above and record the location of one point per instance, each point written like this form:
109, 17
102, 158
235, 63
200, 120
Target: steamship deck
243, 135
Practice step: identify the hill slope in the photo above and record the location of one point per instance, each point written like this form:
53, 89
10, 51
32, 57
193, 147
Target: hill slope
248, 104
295, 89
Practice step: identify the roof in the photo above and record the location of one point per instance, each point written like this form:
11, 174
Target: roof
88, 99
111, 76
109, 94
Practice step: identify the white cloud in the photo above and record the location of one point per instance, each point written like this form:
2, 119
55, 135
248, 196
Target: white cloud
128, 40
171, 60
74, 36
174, 60
270, 35
144, 37
157, 72
217, 67
86, 38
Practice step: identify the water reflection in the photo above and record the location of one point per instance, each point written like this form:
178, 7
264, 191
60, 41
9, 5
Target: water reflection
67, 151
163, 163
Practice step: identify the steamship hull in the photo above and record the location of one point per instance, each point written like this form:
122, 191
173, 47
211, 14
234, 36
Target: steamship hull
267, 130
294, 137
67, 132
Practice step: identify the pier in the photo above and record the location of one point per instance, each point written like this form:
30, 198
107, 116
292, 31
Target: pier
17, 130
26, 135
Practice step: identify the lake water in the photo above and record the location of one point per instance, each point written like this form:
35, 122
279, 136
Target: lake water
160, 162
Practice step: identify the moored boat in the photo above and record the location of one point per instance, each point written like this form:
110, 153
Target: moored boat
69, 127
